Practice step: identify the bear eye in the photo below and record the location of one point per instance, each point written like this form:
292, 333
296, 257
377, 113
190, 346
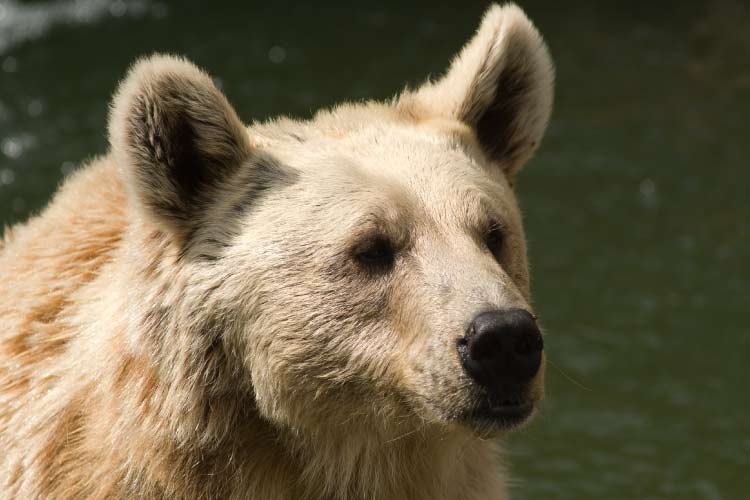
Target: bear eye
494, 238
376, 253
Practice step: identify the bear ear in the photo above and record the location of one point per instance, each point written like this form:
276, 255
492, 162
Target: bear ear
500, 84
175, 138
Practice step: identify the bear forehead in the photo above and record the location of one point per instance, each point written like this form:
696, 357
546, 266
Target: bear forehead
428, 172
427, 155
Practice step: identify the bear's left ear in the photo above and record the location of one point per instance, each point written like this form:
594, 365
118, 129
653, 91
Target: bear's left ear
176, 140
500, 84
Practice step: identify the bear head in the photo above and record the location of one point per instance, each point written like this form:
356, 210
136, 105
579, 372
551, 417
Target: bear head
364, 268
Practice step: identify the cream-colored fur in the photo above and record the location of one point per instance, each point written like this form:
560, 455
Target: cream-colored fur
191, 316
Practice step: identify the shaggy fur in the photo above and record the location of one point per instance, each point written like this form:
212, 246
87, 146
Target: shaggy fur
191, 317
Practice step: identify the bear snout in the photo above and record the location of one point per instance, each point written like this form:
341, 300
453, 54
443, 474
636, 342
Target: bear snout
502, 350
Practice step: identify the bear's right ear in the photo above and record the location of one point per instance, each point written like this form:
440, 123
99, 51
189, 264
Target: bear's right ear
175, 138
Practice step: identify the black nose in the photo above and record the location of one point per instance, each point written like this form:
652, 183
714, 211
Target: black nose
502, 348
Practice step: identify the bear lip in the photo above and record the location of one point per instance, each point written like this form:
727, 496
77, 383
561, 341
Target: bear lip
502, 415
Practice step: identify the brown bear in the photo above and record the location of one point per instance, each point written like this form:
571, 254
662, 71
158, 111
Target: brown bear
335, 308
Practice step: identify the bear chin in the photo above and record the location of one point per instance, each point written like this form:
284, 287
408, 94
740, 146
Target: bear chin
499, 418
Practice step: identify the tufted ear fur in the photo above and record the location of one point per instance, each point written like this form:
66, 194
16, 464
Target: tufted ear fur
500, 84
175, 138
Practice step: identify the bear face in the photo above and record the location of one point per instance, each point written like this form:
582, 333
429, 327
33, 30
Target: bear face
346, 261
408, 257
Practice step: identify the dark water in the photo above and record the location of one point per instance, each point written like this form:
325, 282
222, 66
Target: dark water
637, 205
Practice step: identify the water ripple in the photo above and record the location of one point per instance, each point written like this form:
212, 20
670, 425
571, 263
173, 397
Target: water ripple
20, 22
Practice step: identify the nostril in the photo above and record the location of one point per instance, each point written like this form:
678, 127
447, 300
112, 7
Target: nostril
529, 343
489, 346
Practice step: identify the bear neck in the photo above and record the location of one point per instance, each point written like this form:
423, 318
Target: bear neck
426, 463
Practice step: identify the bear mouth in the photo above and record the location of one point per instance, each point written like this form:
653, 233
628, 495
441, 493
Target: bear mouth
505, 415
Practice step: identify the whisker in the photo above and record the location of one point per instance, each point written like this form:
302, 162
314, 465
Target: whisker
571, 379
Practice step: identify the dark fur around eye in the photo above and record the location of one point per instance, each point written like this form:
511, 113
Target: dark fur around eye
376, 253
494, 239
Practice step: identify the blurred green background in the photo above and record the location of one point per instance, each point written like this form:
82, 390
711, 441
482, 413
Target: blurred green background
637, 205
